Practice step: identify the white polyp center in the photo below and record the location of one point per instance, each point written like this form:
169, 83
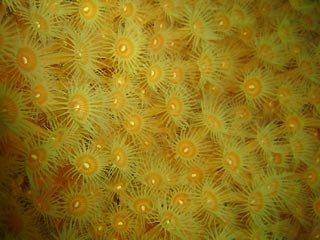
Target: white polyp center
120, 223
24, 60
132, 123
168, 221
118, 158
251, 86
86, 165
123, 48
118, 187
153, 181
37, 95
34, 156
152, 73
76, 108
99, 146
143, 208
193, 175
155, 41
221, 23
100, 228
186, 149
174, 75
253, 202
76, 204
180, 202
37, 24
161, 25
86, 9
173, 106
229, 161
115, 101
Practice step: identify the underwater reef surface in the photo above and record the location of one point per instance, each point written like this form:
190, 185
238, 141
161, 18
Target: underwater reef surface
159, 119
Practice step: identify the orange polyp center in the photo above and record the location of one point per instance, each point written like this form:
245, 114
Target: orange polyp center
276, 158
186, 149
210, 201
256, 201
39, 94
142, 205
316, 206
124, 48
253, 87
41, 23
157, 42
118, 101
120, 223
168, 218
79, 107
195, 175
243, 112
134, 124
9, 109
273, 187
82, 53
128, 9
214, 122
175, 106
312, 176
232, 161
306, 68
205, 64
154, 74
181, 200
198, 27
87, 165
119, 158
223, 23
266, 51
177, 75
36, 158
246, 34
293, 124
42, 204
153, 179
88, 9
26, 59
77, 205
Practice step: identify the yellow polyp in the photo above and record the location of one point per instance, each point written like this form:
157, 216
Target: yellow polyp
293, 124
120, 222
36, 159
88, 9
128, 9
26, 59
124, 48
9, 109
256, 201
253, 87
155, 74
87, 165
39, 94
175, 106
153, 179
181, 200
232, 161
210, 201
134, 124
119, 157
76, 205
186, 149
142, 205
79, 107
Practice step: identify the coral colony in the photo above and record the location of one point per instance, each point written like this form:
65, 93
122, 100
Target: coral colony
160, 119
